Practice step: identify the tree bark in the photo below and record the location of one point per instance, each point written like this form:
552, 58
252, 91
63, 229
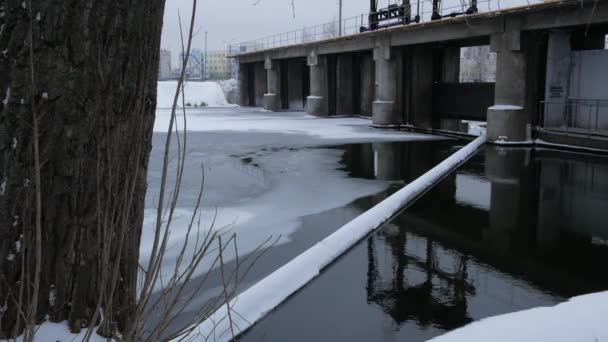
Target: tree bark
94, 94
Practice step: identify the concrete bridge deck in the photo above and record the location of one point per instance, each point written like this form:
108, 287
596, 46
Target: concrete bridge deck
409, 75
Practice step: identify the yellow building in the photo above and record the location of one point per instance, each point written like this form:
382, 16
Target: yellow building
218, 65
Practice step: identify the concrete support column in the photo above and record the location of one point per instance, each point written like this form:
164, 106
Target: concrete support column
450, 66
316, 102
507, 121
272, 100
385, 110
344, 85
559, 60
243, 85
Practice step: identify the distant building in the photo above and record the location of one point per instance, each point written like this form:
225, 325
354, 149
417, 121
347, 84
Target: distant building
195, 67
218, 65
164, 68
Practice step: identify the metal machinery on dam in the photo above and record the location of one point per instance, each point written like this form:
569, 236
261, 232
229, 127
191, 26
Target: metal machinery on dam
402, 66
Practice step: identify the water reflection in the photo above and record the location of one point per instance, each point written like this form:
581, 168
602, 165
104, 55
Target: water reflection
510, 230
536, 215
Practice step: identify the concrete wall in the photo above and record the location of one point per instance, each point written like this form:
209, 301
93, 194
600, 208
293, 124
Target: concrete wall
260, 84
295, 83
345, 84
366, 65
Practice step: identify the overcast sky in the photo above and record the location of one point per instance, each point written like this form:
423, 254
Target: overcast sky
241, 20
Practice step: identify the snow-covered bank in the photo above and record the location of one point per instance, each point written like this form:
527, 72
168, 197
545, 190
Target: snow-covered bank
580, 319
59, 332
196, 93
257, 301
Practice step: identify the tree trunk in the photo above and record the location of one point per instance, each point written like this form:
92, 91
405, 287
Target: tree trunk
94, 97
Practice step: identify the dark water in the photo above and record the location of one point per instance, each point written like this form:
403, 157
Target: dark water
391, 164
510, 230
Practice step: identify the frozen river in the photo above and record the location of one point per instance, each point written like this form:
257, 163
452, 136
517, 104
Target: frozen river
284, 175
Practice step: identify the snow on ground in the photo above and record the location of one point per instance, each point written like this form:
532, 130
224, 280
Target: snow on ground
581, 319
228, 85
255, 120
253, 304
59, 332
196, 93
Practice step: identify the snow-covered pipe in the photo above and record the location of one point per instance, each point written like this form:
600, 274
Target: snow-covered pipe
267, 294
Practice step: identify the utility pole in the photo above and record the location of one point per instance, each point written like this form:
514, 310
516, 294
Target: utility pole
340, 18
206, 75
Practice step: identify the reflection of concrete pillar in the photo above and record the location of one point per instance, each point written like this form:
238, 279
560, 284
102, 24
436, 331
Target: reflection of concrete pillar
367, 84
316, 103
450, 67
559, 59
385, 109
244, 85
387, 161
550, 215
506, 119
503, 169
272, 100
345, 84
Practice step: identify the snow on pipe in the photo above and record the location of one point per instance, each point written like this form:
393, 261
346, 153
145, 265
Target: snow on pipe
267, 294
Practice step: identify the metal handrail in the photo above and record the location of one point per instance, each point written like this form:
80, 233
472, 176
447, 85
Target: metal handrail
356, 25
576, 115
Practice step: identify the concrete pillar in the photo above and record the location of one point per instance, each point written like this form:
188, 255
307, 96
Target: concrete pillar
259, 82
367, 84
385, 108
559, 62
450, 66
419, 85
344, 85
243, 85
507, 121
272, 100
316, 102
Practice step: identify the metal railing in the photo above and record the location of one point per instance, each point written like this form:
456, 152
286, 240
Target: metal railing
420, 11
580, 116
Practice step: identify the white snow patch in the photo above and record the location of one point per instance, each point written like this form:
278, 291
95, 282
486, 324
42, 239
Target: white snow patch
45, 96
318, 183
60, 332
10, 257
3, 187
38, 16
23, 4
579, 319
506, 107
195, 93
14, 145
264, 296
7, 98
